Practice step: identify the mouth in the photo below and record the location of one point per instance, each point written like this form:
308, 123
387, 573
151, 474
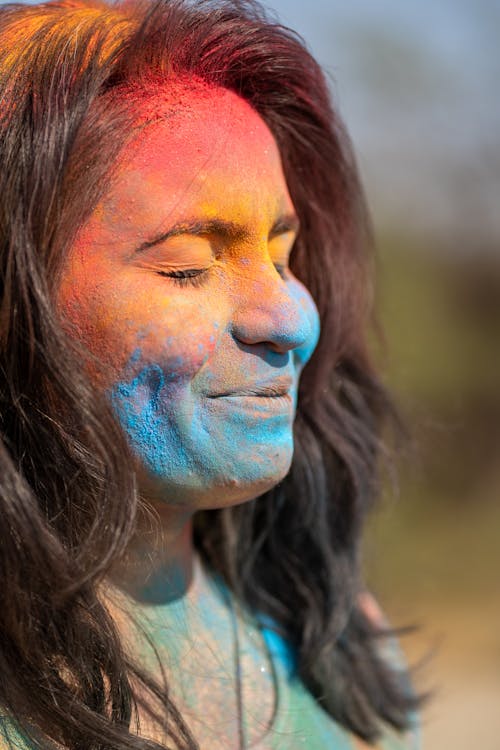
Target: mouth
277, 388
262, 397
259, 405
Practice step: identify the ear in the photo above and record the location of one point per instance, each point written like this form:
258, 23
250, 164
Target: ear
369, 606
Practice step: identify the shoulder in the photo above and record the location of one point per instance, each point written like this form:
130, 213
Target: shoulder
392, 653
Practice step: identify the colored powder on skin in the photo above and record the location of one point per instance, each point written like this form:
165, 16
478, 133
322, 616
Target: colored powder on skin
244, 326
221, 437
139, 410
157, 97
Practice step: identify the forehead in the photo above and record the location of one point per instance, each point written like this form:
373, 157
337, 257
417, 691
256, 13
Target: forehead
198, 114
201, 145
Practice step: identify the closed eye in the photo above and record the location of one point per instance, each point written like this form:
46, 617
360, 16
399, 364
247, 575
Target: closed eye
197, 277
194, 277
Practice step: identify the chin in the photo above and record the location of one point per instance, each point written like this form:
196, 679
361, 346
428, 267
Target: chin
236, 493
210, 493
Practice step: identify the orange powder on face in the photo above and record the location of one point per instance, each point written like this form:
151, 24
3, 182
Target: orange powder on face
167, 353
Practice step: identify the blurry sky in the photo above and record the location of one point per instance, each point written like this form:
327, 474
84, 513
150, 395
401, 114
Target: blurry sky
418, 85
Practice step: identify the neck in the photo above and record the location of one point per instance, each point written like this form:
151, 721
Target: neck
158, 565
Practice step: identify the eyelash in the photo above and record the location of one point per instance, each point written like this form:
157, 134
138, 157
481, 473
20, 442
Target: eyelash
191, 277
196, 277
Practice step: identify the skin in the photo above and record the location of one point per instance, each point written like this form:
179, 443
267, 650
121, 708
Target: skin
205, 168
205, 175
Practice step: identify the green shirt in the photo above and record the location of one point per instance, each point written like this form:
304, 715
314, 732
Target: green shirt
204, 640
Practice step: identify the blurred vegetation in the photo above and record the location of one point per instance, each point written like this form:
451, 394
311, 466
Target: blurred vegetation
433, 550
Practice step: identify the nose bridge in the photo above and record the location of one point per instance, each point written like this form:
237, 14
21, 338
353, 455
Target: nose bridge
268, 309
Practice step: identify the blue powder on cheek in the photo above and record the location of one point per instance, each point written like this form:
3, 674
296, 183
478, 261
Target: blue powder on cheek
138, 405
175, 437
135, 357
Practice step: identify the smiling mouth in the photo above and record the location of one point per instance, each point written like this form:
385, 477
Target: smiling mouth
263, 393
259, 404
276, 388
285, 397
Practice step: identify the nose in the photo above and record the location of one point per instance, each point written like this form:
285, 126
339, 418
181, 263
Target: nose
271, 310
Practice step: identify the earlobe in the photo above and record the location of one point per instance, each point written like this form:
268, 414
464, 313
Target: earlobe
369, 606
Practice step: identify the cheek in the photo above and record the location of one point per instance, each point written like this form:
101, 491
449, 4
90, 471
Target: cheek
94, 316
152, 394
178, 343
127, 324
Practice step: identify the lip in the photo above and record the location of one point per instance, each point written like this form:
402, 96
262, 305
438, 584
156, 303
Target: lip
259, 406
260, 399
278, 387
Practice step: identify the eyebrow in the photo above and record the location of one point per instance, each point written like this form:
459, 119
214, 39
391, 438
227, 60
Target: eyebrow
228, 230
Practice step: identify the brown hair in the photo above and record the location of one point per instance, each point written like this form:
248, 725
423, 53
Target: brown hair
68, 500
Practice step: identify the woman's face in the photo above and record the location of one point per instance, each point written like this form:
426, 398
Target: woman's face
179, 287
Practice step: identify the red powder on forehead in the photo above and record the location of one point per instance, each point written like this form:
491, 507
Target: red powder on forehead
156, 97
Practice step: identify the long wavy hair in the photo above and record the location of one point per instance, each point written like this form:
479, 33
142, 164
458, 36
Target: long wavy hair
68, 498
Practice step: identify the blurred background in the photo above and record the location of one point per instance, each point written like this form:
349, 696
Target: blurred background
418, 86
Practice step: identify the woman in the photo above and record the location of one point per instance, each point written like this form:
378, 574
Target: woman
183, 238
